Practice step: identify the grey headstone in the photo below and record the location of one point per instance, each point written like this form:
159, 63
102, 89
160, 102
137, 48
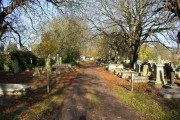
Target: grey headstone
16, 67
36, 72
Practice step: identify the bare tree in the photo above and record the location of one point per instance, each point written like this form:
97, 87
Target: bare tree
136, 20
174, 7
10, 11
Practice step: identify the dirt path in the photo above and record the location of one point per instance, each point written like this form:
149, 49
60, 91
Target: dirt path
90, 98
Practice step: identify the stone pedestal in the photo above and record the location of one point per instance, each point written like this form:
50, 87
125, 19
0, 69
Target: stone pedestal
160, 75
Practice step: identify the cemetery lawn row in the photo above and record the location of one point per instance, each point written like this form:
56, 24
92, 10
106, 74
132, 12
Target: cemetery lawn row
37, 110
153, 107
38, 104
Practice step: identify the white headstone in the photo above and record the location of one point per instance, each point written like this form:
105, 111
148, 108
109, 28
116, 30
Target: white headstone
145, 70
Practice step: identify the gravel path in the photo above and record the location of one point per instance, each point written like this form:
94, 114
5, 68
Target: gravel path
90, 98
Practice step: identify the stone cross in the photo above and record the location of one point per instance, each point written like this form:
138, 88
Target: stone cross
48, 64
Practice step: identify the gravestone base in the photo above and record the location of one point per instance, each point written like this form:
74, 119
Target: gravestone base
156, 83
170, 86
170, 93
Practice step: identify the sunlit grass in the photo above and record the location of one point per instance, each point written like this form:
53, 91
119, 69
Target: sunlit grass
153, 108
92, 98
38, 110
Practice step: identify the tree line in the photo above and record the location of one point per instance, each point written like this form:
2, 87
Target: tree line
121, 26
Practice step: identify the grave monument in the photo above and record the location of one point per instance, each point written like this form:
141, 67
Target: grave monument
159, 80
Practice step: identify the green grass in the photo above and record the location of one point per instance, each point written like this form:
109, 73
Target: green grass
154, 108
92, 98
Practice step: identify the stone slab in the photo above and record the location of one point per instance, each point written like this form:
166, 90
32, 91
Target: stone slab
170, 93
113, 66
14, 89
140, 79
34, 87
126, 74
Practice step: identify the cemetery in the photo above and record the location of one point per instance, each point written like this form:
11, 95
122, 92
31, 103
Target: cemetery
155, 77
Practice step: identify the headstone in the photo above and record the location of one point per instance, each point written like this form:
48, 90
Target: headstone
31, 61
178, 75
168, 71
138, 68
60, 60
172, 79
134, 66
16, 67
145, 70
36, 72
153, 71
57, 59
150, 67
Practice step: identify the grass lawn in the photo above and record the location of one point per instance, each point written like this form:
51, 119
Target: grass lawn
154, 107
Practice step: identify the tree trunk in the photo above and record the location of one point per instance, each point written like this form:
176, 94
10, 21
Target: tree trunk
134, 59
134, 55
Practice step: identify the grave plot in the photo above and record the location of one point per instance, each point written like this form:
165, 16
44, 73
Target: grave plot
112, 67
138, 79
170, 93
21, 83
14, 89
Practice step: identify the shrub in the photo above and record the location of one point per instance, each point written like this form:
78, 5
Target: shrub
24, 58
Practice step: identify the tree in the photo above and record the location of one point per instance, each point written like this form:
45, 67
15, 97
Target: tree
146, 52
10, 11
173, 6
11, 47
64, 36
136, 21
111, 42
48, 46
